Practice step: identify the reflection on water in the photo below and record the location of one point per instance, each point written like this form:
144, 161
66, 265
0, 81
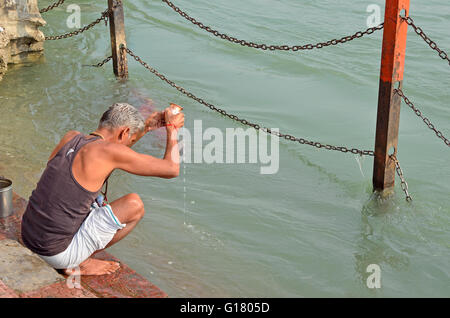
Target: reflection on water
396, 235
376, 216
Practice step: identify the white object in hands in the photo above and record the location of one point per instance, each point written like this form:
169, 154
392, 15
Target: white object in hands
176, 109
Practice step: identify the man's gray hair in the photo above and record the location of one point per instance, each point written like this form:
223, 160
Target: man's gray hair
123, 114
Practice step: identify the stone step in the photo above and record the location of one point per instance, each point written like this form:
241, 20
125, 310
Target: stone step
24, 274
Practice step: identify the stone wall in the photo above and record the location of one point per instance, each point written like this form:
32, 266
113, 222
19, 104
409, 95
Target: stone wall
20, 38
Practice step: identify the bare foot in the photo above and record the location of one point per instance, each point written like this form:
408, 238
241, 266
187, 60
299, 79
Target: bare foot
93, 266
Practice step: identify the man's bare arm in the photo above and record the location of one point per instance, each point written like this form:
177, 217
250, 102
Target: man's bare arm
145, 165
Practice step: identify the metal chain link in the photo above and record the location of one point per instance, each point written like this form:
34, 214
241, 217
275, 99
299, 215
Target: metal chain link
103, 17
54, 5
244, 121
106, 60
273, 47
399, 171
419, 114
443, 55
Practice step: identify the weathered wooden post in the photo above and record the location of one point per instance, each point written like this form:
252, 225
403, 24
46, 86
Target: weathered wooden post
117, 32
391, 77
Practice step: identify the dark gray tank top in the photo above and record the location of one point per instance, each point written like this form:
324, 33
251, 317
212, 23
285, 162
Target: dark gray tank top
59, 204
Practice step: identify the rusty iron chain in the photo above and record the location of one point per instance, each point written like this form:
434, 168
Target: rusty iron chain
273, 47
50, 7
419, 114
442, 54
403, 183
106, 60
103, 17
244, 121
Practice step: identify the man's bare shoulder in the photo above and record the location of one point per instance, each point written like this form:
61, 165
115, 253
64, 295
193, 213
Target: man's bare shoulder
69, 135
64, 140
115, 150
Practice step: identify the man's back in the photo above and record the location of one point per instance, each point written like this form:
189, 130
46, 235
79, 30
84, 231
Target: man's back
59, 204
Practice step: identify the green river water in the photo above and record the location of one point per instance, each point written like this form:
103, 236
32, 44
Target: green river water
221, 230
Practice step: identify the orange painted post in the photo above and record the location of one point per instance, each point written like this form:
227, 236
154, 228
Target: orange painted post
391, 77
117, 32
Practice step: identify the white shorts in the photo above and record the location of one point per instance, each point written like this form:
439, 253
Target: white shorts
94, 234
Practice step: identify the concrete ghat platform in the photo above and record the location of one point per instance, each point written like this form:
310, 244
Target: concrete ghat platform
24, 274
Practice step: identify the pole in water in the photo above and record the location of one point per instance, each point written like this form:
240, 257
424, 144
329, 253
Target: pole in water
118, 39
391, 77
